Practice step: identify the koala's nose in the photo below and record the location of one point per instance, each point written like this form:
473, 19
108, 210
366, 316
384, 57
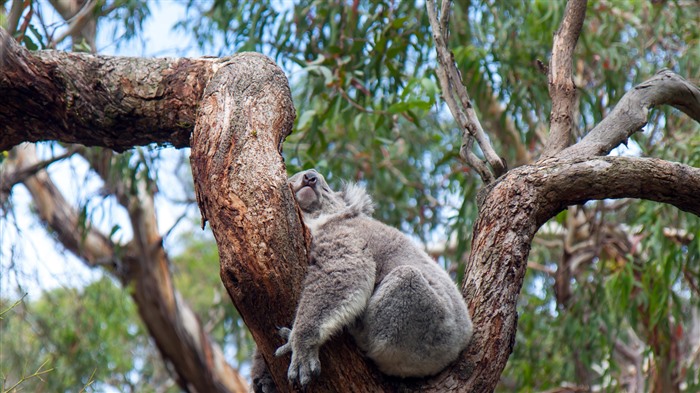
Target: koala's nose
310, 179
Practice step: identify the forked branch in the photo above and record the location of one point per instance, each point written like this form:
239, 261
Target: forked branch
457, 98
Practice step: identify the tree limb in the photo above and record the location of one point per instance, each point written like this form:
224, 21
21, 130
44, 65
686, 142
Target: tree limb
631, 113
80, 98
562, 89
516, 206
464, 113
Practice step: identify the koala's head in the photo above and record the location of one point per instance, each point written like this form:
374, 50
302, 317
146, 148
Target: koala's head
313, 194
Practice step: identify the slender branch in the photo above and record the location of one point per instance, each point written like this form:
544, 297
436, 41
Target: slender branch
8, 179
453, 90
562, 89
14, 15
540, 267
631, 113
77, 22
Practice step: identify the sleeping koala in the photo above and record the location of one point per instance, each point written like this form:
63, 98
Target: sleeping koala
403, 310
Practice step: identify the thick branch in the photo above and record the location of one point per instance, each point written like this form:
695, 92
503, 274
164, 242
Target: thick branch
115, 102
517, 205
562, 89
631, 113
577, 181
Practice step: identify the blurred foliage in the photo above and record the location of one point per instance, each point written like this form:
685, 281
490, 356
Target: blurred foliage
92, 337
369, 110
83, 335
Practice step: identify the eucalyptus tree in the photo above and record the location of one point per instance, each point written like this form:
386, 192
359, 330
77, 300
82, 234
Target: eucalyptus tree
534, 131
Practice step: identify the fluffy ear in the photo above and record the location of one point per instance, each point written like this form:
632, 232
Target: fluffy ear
357, 199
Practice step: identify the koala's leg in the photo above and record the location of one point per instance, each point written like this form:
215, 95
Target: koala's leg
260, 375
408, 328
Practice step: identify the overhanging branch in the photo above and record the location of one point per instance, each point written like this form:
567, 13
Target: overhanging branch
115, 102
575, 181
631, 113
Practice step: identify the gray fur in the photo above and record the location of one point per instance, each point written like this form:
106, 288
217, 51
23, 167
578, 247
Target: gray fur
403, 310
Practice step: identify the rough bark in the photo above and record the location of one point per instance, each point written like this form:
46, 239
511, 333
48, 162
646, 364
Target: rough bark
241, 186
114, 102
197, 362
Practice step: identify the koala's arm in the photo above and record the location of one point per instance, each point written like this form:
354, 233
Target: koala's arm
336, 291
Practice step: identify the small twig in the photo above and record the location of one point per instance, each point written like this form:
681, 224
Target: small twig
541, 268
36, 374
5, 311
177, 221
359, 107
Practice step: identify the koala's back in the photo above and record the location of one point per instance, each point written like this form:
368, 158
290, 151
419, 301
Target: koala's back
416, 321
391, 248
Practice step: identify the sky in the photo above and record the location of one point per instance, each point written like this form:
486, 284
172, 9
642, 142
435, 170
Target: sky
30, 260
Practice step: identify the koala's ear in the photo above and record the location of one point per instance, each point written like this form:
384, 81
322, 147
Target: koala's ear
357, 199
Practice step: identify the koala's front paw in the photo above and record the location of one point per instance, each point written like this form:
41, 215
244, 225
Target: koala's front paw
305, 363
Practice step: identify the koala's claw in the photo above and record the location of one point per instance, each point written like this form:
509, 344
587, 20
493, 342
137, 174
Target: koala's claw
304, 370
305, 364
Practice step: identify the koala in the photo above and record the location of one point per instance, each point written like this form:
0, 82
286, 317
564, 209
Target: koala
403, 310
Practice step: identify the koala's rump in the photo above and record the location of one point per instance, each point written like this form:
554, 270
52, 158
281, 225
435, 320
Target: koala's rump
416, 321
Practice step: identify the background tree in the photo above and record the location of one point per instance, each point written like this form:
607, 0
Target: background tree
365, 94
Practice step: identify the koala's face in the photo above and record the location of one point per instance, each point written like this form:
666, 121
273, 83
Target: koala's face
310, 190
